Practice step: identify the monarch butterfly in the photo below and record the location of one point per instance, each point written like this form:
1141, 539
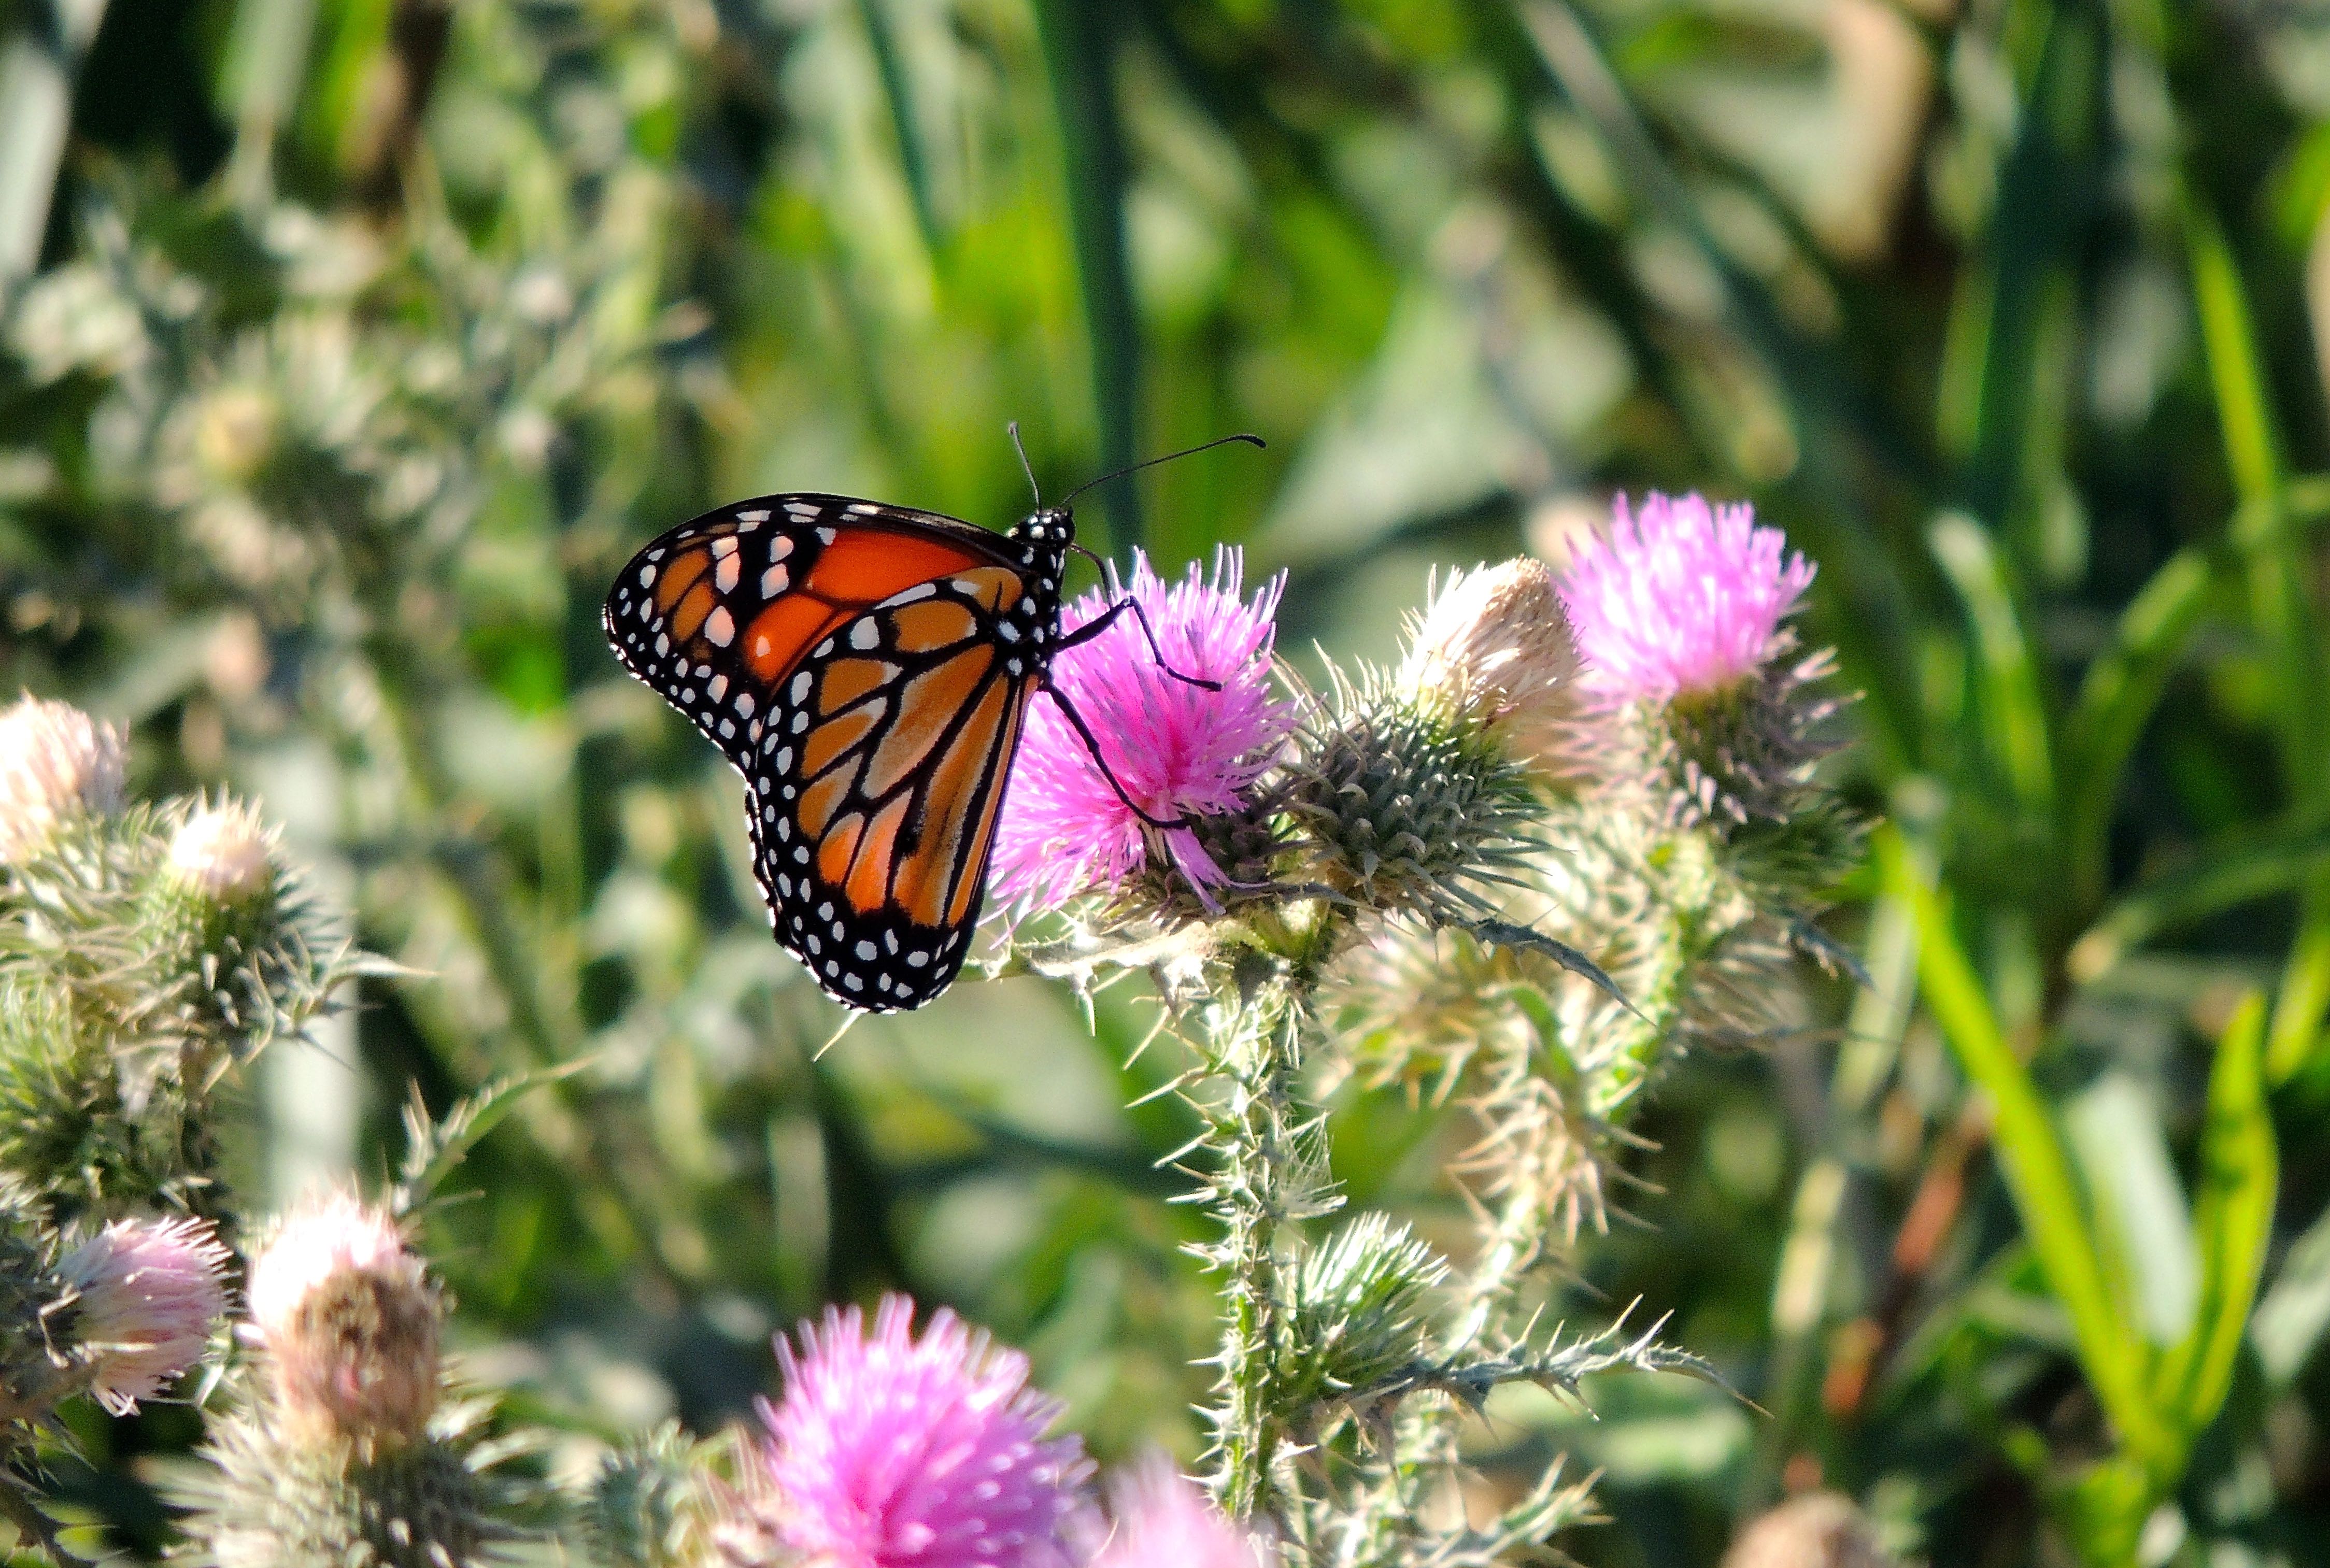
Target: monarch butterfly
865, 667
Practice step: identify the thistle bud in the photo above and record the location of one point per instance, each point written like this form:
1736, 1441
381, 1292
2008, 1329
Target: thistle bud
343, 1455
1403, 807
350, 1322
1494, 647
56, 763
146, 1294
224, 856
1358, 1307
270, 1500
647, 1506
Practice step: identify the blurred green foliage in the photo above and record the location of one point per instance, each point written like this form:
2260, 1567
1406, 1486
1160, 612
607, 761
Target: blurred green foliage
349, 345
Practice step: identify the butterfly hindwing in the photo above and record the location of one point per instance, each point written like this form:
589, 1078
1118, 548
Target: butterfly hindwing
877, 797
851, 661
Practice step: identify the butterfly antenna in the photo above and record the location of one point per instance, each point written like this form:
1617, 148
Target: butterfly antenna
1251, 441
1024, 465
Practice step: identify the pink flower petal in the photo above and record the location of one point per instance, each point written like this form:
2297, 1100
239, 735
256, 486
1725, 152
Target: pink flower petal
1177, 748
1684, 597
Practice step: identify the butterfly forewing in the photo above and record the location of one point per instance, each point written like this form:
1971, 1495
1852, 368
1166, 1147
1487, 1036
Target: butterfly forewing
846, 656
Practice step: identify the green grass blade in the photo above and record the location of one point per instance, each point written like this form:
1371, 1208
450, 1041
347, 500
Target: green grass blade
897, 90
2030, 1155
2233, 1215
2252, 450
1079, 51
2280, 605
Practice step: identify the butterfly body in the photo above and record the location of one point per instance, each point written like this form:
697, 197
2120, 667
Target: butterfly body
866, 669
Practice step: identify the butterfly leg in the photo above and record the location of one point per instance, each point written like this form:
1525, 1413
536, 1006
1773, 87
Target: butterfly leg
1107, 617
1091, 744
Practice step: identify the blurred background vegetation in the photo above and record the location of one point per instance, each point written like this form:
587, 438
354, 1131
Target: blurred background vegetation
348, 346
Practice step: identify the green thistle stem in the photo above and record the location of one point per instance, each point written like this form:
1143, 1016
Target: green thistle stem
1258, 1052
1682, 935
1660, 987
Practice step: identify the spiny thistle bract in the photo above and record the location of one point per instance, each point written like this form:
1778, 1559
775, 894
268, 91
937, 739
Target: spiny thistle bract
1358, 1308
275, 1499
86, 1129
143, 952
30, 1291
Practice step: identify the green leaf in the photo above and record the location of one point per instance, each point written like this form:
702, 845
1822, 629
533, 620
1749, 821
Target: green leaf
2030, 1157
1521, 938
2235, 373
2280, 605
2304, 997
897, 92
432, 1149
2233, 1215
2103, 1511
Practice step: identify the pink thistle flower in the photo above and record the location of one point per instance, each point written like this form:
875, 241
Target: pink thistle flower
1162, 1521
349, 1321
149, 1291
1681, 599
1177, 749
892, 1452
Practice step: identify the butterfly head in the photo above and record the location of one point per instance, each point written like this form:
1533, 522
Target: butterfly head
1053, 525
1044, 536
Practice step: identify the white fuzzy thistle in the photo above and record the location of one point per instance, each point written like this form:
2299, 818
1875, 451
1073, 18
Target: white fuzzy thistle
56, 763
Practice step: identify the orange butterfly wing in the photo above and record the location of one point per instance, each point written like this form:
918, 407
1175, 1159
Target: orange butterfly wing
845, 657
